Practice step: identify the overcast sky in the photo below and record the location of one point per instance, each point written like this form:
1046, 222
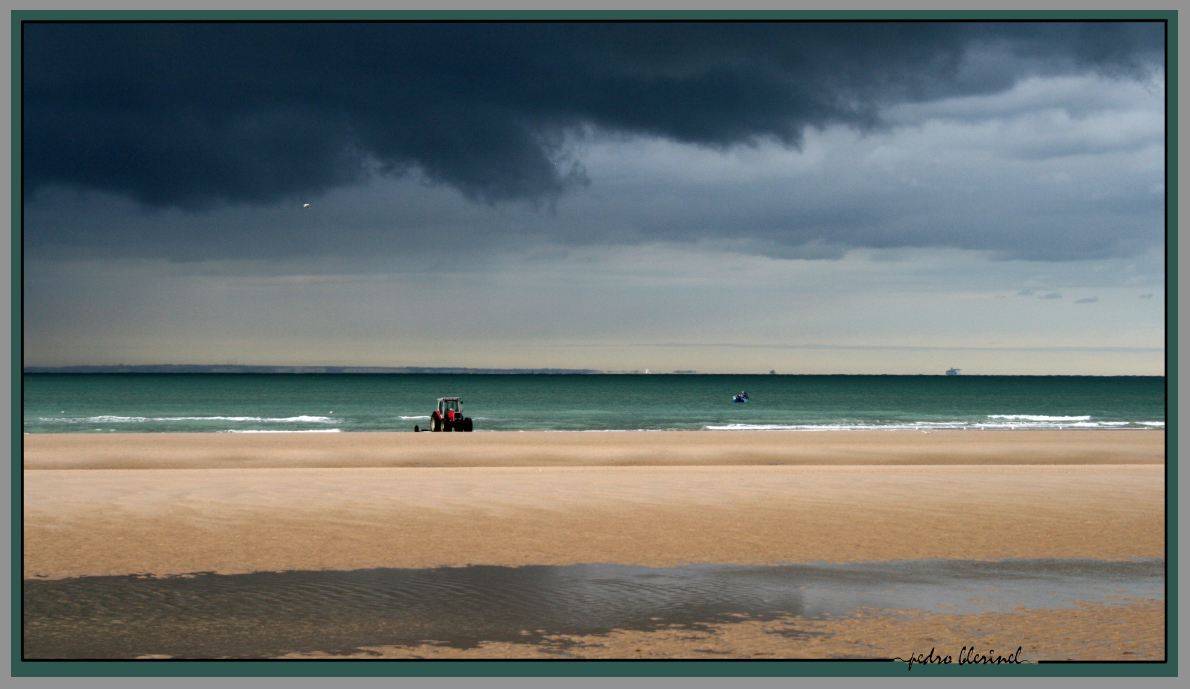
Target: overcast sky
723, 197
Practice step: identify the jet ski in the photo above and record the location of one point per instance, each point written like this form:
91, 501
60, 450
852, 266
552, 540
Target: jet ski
740, 398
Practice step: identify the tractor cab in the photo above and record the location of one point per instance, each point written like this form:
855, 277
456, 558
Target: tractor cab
449, 416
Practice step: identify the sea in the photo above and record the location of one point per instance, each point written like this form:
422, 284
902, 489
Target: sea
334, 403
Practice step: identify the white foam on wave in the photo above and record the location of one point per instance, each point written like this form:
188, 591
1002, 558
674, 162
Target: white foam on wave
147, 419
1049, 425
319, 430
415, 417
1037, 417
930, 426
1155, 424
918, 426
758, 427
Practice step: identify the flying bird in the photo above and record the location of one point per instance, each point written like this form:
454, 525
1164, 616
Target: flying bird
305, 205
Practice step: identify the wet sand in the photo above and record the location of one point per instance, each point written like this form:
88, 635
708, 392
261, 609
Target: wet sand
545, 449
272, 614
1125, 630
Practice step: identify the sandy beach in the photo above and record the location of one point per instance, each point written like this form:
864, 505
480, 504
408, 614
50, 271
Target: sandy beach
588, 449
180, 503
177, 503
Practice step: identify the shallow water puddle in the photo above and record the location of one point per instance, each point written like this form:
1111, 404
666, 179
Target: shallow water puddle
266, 614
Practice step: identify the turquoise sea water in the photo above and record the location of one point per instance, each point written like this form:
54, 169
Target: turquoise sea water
166, 403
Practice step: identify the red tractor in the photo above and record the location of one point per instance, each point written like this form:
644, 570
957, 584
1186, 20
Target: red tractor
449, 416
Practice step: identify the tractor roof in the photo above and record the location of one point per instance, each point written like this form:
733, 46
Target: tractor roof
450, 399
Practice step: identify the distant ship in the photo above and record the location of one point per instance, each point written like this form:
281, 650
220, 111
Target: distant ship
773, 372
954, 371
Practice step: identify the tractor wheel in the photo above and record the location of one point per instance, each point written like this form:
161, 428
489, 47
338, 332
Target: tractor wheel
435, 424
447, 425
467, 424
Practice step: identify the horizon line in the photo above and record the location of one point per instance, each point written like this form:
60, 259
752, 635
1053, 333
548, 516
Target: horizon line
203, 369
741, 345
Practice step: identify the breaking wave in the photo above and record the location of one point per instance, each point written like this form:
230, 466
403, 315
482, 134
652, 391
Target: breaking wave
319, 430
151, 419
1010, 423
1037, 417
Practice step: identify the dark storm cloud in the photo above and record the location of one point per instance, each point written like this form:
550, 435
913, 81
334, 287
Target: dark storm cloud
191, 115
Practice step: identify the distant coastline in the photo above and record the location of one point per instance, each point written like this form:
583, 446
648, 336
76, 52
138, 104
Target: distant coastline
233, 368
236, 368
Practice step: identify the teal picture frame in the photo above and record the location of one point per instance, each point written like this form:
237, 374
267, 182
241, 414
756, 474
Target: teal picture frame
575, 668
